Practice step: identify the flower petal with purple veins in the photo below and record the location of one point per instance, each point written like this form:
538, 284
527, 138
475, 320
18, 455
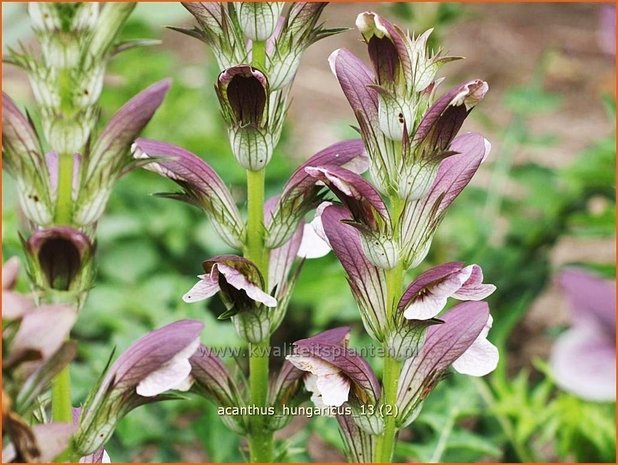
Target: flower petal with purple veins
202, 186
110, 156
444, 344
240, 282
427, 295
355, 192
117, 393
474, 288
366, 280
421, 217
24, 159
212, 378
171, 375
124, 127
387, 47
230, 274
281, 258
42, 332
334, 370
481, 358
301, 193
445, 117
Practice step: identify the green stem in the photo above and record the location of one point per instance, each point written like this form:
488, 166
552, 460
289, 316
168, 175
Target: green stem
255, 221
261, 438
385, 445
386, 441
64, 199
259, 55
61, 384
61, 397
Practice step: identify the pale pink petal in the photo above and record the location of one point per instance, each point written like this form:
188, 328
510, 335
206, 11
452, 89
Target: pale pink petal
170, 375
206, 287
583, 362
313, 365
481, 357
10, 271
238, 280
473, 288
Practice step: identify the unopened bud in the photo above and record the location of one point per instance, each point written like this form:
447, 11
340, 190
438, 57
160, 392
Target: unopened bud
417, 178
259, 19
394, 115
252, 148
380, 250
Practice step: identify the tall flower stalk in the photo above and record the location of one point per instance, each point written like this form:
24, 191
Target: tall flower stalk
418, 165
65, 173
258, 48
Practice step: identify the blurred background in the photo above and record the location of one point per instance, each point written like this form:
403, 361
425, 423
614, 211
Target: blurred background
543, 201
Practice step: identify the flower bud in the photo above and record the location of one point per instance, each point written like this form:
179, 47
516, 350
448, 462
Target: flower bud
395, 116
60, 259
259, 19
381, 250
252, 148
253, 326
416, 179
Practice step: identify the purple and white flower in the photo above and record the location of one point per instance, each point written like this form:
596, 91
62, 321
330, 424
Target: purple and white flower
335, 373
461, 341
426, 297
145, 372
234, 276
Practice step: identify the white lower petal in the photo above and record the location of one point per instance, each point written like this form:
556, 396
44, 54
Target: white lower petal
480, 359
312, 245
206, 287
334, 388
425, 307
171, 375
240, 282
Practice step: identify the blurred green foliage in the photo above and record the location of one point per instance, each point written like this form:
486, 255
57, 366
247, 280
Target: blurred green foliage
149, 250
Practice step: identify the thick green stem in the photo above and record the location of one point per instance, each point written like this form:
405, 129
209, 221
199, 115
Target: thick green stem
259, 55
64, 199
61, 397
255, 221
260, 438
386, 441
385, 446
61, 384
